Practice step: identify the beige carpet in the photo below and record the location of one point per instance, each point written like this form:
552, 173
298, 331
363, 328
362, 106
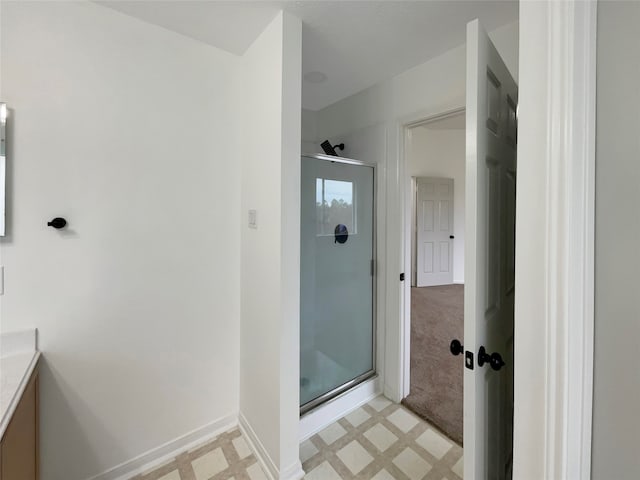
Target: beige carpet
437, 317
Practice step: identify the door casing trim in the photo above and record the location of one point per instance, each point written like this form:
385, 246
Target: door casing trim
555, 245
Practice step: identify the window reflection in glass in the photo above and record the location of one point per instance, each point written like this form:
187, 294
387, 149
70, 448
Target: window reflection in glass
334, 205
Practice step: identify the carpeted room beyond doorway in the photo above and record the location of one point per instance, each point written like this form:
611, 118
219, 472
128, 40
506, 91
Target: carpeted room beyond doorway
437, 317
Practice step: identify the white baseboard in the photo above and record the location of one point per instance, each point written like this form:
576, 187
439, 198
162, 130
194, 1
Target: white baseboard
264, 459
293, 472
392, 394
169, 450
325, 415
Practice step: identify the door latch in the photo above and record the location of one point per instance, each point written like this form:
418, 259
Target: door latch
456, 348
468, 359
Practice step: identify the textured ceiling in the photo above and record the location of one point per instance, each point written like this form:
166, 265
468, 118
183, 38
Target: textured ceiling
356, 44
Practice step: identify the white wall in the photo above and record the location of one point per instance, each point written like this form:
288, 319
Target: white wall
290, 466
123, 128
616, 422
310, 141
270, 285
369, 123
441, 153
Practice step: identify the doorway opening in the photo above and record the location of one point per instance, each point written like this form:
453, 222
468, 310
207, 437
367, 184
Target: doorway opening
435, 167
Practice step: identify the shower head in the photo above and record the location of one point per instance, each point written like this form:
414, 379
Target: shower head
331, 150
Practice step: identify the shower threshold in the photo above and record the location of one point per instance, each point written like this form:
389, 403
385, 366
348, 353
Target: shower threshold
330, 395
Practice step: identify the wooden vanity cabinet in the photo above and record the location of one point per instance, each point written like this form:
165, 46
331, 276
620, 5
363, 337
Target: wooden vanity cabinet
19, 446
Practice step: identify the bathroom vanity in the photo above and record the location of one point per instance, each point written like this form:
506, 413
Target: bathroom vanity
19, 427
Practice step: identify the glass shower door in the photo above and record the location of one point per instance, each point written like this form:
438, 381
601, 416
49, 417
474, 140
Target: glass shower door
336, 279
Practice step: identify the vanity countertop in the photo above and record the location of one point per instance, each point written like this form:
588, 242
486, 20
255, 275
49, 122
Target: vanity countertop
18, 359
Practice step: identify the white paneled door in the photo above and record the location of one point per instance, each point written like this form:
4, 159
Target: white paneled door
491, 132
434, 231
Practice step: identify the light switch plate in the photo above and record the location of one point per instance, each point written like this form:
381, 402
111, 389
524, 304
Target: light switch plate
253, 219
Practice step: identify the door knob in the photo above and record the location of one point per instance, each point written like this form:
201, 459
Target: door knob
456, 347
495, 359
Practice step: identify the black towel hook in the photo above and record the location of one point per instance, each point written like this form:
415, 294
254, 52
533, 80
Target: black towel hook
57, 223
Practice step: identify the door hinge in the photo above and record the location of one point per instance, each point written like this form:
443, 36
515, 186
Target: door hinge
402, 277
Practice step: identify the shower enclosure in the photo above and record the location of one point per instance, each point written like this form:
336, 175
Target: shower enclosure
337, 277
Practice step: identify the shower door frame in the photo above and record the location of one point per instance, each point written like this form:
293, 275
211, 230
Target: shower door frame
345, 387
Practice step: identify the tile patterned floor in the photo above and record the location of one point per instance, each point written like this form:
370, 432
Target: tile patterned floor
379, 441
227, 457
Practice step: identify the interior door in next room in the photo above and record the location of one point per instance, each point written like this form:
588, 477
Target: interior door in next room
434, 231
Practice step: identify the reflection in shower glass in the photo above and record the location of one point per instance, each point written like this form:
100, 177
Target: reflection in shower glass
336, 280
334, 205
